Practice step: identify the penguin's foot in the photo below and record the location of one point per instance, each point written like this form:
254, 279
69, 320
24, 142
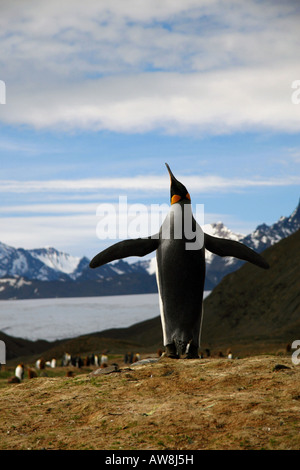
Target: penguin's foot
190, 356
192, 352
171, 351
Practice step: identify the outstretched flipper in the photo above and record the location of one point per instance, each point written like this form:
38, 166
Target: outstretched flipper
222, 247
135, 247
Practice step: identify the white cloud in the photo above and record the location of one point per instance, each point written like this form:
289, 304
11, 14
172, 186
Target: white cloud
203, 103
67, 233
121, 34
60, 208
195, 184
214, 67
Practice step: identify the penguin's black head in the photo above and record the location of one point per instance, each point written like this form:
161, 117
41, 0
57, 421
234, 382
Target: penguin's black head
178, 191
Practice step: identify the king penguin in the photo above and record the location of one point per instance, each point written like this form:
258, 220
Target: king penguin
180, 269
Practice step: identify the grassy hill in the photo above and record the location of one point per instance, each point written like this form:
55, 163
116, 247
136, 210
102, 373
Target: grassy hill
254, 306
211, 403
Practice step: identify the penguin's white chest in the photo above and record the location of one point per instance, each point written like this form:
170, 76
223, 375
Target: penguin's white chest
180, 225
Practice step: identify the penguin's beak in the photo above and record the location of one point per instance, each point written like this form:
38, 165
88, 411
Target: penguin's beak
172, 177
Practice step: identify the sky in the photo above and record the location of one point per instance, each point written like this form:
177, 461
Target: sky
97, 96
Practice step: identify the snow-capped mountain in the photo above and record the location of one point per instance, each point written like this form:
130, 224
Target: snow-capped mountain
221, 231
20, 262
19, 266
259, 240
49, 264
265, 236
149, 265
56, 260
44, 264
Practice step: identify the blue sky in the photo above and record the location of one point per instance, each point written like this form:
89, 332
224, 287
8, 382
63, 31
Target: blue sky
99, 95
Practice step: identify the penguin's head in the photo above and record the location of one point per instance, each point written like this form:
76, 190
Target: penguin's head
178, 190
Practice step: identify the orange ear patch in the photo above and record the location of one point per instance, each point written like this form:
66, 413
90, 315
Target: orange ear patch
188, 196
175, 198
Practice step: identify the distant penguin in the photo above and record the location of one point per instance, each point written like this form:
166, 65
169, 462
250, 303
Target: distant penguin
136, 357
19, 372
104, 360
180, 254
229, 354
40, 363
86, 361
66, 360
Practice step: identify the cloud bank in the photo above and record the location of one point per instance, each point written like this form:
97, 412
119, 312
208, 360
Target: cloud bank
209, 67
196, 184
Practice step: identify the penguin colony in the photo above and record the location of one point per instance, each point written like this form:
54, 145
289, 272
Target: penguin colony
180, 269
